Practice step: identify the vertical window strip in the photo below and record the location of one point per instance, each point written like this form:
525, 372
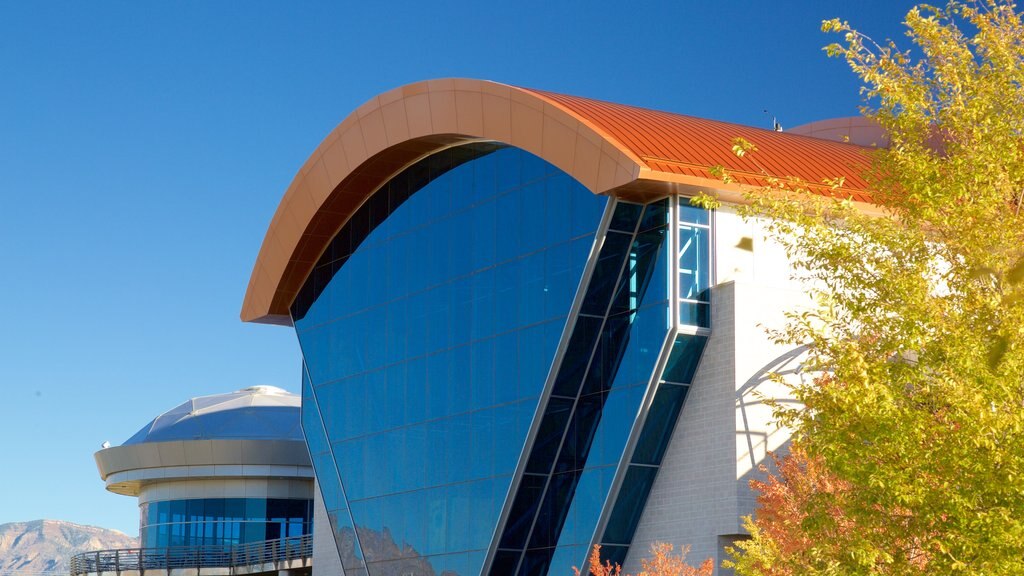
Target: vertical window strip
693, 269
534, 548
694, 264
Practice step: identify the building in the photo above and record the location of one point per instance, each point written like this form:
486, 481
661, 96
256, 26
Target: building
520, 339
222, 481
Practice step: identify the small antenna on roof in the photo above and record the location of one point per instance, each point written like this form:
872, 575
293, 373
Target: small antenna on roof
776, 126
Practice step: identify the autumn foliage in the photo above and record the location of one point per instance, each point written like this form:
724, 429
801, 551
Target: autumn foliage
804, 519
909, 444
663, 562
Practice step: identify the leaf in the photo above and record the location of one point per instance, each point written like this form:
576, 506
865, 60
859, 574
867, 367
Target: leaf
1016, 273
997, 352
907, 467
740, 146
983, 272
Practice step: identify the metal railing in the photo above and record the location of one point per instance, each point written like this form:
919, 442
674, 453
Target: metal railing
177, 557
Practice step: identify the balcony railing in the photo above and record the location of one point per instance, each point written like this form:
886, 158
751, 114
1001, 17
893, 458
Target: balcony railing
179, 557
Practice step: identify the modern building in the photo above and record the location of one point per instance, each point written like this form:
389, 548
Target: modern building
520, 339
219, 473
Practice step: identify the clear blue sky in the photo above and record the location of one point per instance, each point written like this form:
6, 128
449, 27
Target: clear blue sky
144, 147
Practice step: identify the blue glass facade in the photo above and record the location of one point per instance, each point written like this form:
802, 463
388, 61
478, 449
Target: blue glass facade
671, 381
428, 345
222, 521
597, 392
480, 344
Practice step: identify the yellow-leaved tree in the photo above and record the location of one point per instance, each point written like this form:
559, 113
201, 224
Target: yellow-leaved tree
910, 444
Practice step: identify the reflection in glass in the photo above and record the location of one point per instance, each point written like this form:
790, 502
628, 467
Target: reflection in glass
216, 521
694, 266
608, 362
428, 330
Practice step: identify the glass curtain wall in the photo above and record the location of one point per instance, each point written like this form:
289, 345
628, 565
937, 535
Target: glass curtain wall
681, 357
428, 330
598, 389
223, 521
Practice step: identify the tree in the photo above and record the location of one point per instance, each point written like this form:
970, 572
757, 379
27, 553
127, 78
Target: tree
663, 562
802, 523
910, 442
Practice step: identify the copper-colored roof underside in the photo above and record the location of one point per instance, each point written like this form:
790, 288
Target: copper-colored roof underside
613, 149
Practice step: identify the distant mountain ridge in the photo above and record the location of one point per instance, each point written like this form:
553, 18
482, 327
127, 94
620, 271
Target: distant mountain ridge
31, 548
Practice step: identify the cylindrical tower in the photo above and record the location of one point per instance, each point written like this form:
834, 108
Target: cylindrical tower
217, 470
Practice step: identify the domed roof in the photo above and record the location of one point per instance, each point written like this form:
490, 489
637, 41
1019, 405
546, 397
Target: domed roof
254, 413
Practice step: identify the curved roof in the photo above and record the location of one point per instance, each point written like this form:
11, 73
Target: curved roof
254, 413
625, 151
683, 148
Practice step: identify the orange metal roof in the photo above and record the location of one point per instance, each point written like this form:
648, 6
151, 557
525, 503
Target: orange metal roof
685, 145
623, 151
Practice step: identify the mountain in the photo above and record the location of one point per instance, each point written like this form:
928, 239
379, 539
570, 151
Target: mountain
28, 548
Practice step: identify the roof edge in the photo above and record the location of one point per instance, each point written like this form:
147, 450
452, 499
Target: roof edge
183, 453
383, 135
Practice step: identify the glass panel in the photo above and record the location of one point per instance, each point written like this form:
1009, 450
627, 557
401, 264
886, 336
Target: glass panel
610, 348
253, 532
554, 509
614, 554
214, 509
255, 509
684, 358
234, 508
625, 216
585, 511
652, 443
661, 420
577, 356
535, 562
523, 510
629, 504
505, 562
581, 433
566, 558
695, 314
640, 269
194, 509
606, 273
549, 435
344, 537
655, 215
163, 511
694, 262
178, 510
691, 214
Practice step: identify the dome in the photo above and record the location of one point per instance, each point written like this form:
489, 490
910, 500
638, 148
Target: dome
253, 413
